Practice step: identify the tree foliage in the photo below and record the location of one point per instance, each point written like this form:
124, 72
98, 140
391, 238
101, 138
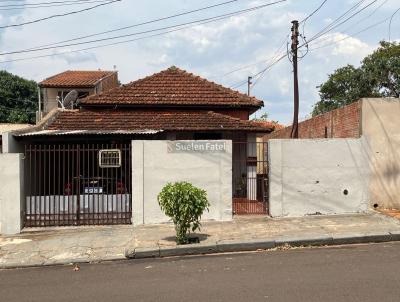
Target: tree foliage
18, 99
185, 204
378, 76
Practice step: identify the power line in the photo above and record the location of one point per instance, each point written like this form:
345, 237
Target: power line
213, 19
134, 25
354, 34
334, 24
64, 3
358, 22
141, 32
274, 61
25, 5
275, 58
59, 15
330, 27
252, 64
391, 19
314, 12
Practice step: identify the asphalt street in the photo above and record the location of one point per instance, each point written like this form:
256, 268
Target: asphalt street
347, 273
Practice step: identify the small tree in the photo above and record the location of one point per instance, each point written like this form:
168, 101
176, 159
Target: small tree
185, 204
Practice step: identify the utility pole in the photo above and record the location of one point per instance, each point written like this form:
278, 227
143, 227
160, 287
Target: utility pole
249, 85
295, 43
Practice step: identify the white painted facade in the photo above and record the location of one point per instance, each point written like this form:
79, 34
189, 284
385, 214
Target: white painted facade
381, 133
154, 165
11, 193
318, 176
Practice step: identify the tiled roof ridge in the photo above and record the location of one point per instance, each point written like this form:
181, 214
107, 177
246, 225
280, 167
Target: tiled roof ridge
177, 70
212, 83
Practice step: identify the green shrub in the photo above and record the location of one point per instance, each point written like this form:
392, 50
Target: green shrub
185, 204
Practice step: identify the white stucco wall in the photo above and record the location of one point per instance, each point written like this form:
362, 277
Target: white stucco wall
310, 177
11, 193
10, 144
381, 133
154, 165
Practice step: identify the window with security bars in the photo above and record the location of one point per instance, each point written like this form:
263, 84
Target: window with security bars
110, 158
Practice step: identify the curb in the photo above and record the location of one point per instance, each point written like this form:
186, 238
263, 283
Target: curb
64, 262
228, 246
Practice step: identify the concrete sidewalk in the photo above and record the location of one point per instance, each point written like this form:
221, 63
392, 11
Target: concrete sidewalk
92, 244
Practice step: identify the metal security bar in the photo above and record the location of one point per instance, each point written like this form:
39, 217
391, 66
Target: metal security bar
250, 178
65, 185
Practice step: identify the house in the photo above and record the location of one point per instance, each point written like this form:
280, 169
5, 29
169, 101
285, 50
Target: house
55, 88
78, 163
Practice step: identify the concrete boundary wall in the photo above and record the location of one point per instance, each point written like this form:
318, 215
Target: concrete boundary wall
381, 133
318, 176
156, 162
11, 193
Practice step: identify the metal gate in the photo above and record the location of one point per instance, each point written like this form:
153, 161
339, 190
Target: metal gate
250, 178
78, 184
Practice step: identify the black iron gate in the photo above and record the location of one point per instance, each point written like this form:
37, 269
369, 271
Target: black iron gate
250, 178
78, 184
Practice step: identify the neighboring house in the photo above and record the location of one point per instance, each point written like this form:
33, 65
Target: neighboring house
7, 127
86, 83
78, 167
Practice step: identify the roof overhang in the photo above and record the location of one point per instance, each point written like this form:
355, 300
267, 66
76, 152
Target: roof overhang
85, 132
68, 86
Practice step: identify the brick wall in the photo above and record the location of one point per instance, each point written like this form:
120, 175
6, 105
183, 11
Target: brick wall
340, 123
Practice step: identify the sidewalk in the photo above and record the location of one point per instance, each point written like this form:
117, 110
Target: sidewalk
92, 244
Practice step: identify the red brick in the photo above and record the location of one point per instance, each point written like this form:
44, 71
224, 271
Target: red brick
340, 123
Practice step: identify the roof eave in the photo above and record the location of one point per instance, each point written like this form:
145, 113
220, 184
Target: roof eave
252, 107
67, 86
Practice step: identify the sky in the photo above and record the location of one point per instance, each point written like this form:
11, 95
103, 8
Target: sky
248, 42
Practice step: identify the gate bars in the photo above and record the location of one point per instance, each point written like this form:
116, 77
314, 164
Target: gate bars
250, 178
66, 186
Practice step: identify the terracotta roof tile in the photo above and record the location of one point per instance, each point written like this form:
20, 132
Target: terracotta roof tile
269, 124
173, 87
187, 120
75, 78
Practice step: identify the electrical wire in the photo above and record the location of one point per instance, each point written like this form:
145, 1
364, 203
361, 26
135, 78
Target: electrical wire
52, 5
390, 23
353, 35
331, 27
334, 24
252, 64
180, 27
355, 24
141, 32
59, 15
134, 25
314, 12
275, 59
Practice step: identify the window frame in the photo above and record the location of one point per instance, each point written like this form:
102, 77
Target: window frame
100, 158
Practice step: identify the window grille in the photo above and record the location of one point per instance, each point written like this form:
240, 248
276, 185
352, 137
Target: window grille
110, 158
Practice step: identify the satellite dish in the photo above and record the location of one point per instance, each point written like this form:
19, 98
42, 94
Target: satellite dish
70, 99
